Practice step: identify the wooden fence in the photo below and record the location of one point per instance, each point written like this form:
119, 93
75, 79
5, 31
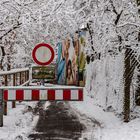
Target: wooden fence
15, 77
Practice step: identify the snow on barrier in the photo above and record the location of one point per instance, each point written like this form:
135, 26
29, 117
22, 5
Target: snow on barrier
41, 93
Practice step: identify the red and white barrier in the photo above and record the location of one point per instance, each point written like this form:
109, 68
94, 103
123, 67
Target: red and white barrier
43, 94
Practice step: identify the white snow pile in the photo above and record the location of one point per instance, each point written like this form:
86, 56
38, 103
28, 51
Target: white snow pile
105, 82
112, 128
19, 122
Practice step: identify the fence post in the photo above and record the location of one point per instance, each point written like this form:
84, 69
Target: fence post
1, 107
25, 76
20, 78
5, 103
14, 84
6, 80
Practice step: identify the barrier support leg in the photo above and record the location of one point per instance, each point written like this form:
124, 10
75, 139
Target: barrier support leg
5, 108
13, 104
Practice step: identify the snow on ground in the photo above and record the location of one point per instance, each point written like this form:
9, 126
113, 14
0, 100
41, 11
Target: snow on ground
19, 122
112, 128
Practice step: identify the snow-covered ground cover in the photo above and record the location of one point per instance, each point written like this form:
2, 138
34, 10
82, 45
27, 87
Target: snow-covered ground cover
112, 128
19, 122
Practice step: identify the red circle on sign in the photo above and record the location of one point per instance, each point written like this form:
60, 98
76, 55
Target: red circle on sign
39, 46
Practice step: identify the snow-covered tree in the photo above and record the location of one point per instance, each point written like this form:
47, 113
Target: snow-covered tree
113, 26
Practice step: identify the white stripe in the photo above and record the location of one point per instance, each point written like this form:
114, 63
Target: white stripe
58, 94
43, 95
11, 94
74, 94
27, 94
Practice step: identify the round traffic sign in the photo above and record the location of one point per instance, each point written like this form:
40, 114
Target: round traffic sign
43, 54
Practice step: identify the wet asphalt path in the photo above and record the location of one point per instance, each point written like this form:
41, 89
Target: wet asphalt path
57, 123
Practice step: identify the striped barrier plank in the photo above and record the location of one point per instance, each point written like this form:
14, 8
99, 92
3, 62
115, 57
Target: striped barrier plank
43, 94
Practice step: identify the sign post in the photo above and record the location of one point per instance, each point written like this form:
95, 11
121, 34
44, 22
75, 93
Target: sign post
1, 107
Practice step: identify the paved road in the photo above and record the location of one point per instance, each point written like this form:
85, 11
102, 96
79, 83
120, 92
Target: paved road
57, 123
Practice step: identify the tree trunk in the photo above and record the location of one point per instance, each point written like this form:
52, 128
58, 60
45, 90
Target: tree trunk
129, 66
126, 87
137, 92
127, 83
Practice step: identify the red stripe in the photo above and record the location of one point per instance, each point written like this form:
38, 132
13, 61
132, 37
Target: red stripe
66, 94
35, 95
51, 94
5, 95
19, 95
80, 95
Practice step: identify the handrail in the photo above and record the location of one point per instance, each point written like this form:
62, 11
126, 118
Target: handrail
13, 71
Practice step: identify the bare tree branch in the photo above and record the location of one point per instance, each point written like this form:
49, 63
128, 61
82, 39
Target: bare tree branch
15, 27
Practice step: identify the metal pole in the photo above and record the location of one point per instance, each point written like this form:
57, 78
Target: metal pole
1, 107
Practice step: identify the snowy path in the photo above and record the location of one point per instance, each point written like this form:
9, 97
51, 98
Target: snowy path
60, 121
